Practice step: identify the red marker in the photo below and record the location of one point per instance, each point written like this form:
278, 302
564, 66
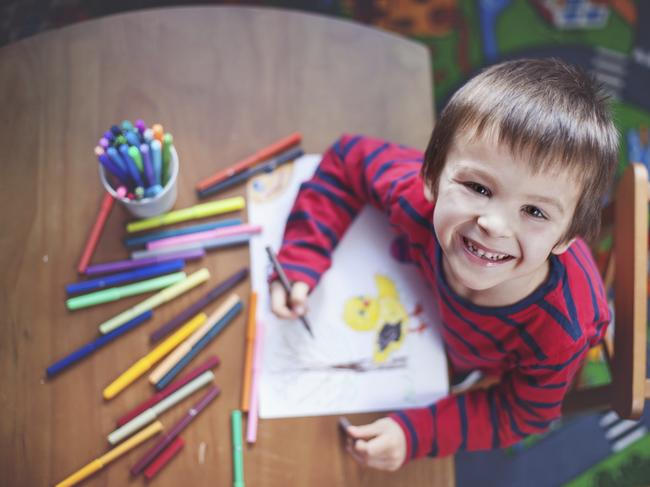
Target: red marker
262, 154
164, 458
93, 238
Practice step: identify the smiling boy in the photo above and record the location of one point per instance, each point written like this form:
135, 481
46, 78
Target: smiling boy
494, 215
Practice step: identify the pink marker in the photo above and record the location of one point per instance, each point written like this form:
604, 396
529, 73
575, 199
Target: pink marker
207, 235
251, 432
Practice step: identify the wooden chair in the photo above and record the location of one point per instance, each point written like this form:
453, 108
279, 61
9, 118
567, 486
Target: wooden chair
629, 387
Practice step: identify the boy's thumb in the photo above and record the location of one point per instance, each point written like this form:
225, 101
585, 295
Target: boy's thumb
366, 431
298, 298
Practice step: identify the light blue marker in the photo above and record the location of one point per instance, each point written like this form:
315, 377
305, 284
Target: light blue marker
156, 156
127, 125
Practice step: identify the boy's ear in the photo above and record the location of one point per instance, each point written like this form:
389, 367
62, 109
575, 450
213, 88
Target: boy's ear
428, 193
562, 247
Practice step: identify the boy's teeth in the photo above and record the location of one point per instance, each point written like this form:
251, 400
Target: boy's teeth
483, 254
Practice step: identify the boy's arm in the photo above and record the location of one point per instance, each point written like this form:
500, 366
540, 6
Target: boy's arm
525, 402
356, 170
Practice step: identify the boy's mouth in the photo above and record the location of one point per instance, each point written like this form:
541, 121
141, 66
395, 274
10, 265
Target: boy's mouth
482, 253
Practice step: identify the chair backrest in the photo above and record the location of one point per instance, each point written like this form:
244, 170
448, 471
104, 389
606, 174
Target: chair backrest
629, 387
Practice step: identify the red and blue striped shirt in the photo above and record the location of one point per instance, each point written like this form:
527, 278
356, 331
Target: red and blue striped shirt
536, 346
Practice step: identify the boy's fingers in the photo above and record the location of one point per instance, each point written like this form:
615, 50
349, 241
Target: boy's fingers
377, 453
298, 298
365, 431
279, 301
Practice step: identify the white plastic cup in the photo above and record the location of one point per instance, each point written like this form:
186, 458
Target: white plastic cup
148, 207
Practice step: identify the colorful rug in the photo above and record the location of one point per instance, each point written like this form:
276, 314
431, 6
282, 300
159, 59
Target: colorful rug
590, 450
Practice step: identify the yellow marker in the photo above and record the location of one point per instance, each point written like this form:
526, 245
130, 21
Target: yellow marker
149, 360
171, 360
193, 212
156, 300
108, 457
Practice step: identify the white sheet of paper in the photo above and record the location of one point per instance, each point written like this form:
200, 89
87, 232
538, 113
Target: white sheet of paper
337, 372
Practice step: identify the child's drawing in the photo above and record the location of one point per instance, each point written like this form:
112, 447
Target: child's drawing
383, 314
372, 350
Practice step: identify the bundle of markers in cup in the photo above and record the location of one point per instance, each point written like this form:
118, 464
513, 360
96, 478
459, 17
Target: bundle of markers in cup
137, 158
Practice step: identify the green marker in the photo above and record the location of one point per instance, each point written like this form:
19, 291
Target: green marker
167, 142
237, 449
119, 140
115, 293
137, 158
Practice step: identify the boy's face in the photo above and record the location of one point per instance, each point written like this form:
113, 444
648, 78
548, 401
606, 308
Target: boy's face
497, 222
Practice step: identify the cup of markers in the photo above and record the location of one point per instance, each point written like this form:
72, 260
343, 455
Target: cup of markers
138, 166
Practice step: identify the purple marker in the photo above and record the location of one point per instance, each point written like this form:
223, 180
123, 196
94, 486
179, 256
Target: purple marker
140, 125
175, 430
104, 143
122, 265
148, 167
108, 135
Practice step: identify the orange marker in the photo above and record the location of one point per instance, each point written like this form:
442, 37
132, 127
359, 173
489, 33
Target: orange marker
158, 132
250, 340
262, 154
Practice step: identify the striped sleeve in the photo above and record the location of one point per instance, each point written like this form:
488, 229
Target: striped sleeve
355, 171
526, 401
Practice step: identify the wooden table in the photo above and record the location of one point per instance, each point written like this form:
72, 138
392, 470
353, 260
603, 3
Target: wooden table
225, 81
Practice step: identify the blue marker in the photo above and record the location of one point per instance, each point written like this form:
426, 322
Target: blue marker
116, 130
116, 158
152, 191
108, 135
89, 348
136, 275
130, 165
113, 169
148, 166
141, 240
634, 147
198, 346
132, 138
156, 157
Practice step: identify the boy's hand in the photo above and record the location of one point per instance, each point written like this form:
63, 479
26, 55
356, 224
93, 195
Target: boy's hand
380, 445
295, 305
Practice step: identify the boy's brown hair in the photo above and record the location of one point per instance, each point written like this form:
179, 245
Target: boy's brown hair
547, 112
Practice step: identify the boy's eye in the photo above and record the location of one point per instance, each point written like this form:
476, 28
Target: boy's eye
534, 212
478, 188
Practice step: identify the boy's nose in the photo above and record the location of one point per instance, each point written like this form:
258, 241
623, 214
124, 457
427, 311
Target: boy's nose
494, 225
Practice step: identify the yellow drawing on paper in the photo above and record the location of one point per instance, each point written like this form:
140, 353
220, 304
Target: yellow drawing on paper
384, 314
267, 187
